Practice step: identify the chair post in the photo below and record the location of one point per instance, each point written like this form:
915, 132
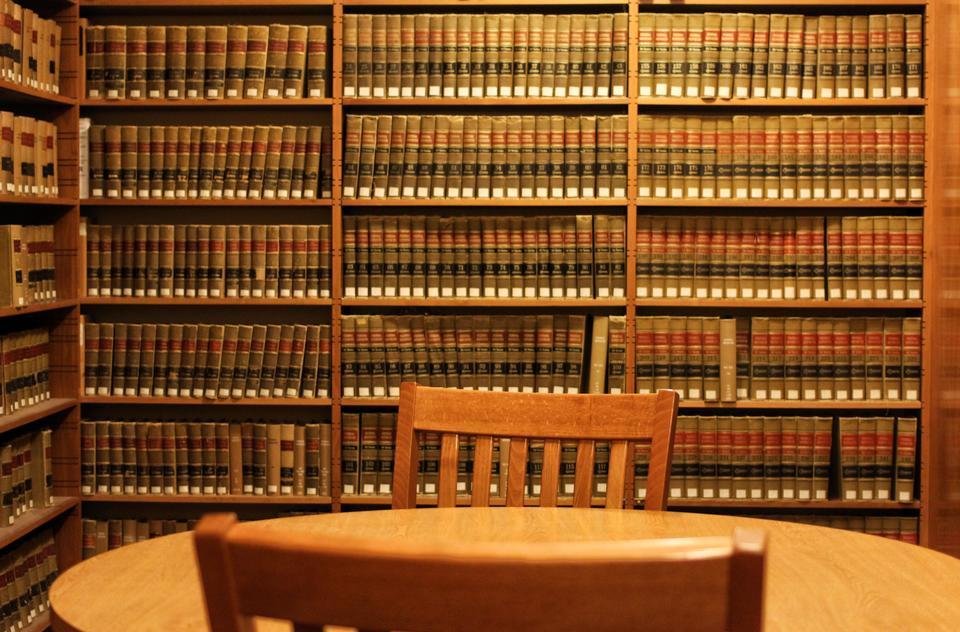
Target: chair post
661, 449
216, 576
405, 454
746, 588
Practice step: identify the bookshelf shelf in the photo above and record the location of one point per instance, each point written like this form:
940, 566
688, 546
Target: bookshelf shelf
93, 203
759, 303
191, 401
36, 518
677, 503
34, 413
490, 202
40, 624
21, 200
546, 303
224, 499
815, 505
487, 102
206, 302
204, 103
815, 204
377, 402
36, 308
779, 103
197, 4
25, 95
479, 3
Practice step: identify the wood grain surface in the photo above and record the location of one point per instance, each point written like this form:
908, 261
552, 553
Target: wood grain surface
817, 578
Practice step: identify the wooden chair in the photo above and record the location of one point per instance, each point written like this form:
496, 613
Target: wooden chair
688, 584
620, 419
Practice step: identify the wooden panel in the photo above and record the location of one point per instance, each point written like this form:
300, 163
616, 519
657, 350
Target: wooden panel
940, 440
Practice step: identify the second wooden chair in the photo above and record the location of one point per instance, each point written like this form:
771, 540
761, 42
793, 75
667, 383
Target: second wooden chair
621, 420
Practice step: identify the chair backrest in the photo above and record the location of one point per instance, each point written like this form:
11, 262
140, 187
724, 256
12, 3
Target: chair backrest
620, 420
713, 583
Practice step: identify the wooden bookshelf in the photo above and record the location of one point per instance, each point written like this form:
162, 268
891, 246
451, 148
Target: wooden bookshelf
67, 107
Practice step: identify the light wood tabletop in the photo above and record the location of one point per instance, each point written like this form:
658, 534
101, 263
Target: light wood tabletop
817, 578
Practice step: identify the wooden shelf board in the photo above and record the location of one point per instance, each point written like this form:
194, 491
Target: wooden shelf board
190, 401
547, 303
206, 4
231, 499
95, 202
744, 203
206, 302
370, 402
33, 413
480, 3
205, 103
759, 303
779, 103
803, 405
36, 308
725, 503
644, 4
488, 202
18, 94
672, 503
36, 518
531, 102
21, 200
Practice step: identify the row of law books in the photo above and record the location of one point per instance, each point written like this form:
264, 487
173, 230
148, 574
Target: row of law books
102, 535
802, 157
780, 359
204, 458
189, 162
485, 55
744, 55
900, 528
528, 353
28, 156
29, 568
27, 273
24, 369
867, 464
26, 474
434, 156
556, 256
779, 257
208, 261
235, 61
791, 458
206, 361
30, 50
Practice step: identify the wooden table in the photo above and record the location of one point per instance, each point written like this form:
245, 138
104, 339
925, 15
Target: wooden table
818, 578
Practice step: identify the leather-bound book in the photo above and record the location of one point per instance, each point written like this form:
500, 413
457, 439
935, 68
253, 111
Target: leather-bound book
136, 62
114, 62
316, 71
277, 45
215, 62
196, 62
255, 70
236, 61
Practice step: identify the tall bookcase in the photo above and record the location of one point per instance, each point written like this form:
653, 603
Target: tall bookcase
69, 405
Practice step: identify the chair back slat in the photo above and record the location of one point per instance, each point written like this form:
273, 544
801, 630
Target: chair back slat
249, 570
517, 471
616, 474
482, 465
550, 474
449, 454
615, 420
583, 478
